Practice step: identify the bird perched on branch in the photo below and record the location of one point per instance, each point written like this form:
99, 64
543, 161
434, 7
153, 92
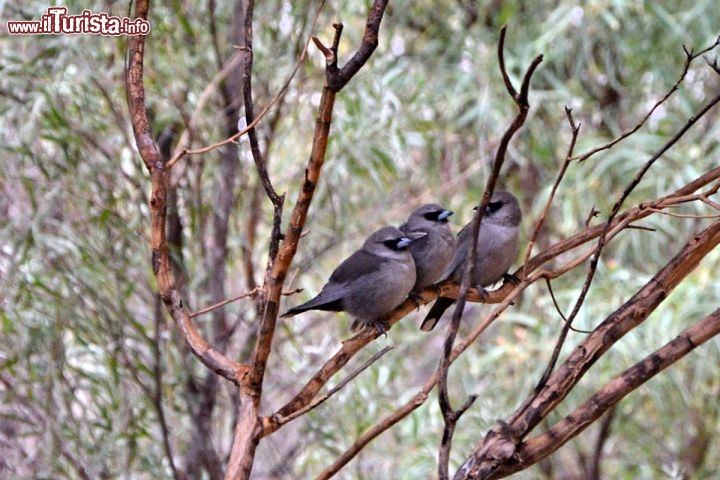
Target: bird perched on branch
497, 248
432, 253
371, 282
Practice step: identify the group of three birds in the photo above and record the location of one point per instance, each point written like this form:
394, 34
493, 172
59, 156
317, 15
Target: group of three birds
394, 262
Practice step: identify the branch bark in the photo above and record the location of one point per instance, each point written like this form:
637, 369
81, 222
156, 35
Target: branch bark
160, 261
249, 428
501, 453
451, 416
448, 289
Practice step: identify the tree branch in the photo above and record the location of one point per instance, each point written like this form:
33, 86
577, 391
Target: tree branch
160, 261
277, 200
317, 401
499, 448
690, 56
249, 429
336, 79
556, 184
601, 242
537, 448
450, 416
506, 293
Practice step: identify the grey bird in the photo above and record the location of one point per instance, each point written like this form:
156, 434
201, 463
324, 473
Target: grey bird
432, 253
371, 282
497, 248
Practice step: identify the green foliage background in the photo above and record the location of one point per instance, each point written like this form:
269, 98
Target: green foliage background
419, 123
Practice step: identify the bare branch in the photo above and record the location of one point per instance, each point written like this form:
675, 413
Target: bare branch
136, 95
684, 215
548, 283
451, 416
260, 162
334, 390
483, 463
616, 208
249, 429
689, 58
561, 174
160, 260
537, 448
501, 60
181, 149
215, 306
335, 78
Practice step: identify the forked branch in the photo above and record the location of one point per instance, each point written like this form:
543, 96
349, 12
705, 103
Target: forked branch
160, 260
451, 416
497, 454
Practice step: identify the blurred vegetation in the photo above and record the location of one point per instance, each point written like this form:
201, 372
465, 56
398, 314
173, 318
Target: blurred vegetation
80, 324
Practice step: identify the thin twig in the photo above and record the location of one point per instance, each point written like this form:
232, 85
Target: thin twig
450, 416
205, 96
709, 202
690, 56
257, 156
317, 401
601, 242
501, 63
557, 307
303, 55
336, 78
556, 184
205, 310
593, 213
683, 215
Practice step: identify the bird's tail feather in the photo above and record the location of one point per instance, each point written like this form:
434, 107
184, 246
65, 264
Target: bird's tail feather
327, 304
435, 313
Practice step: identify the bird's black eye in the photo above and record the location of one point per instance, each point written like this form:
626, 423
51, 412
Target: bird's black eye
433, 216
493, 207
401, 243
392, 244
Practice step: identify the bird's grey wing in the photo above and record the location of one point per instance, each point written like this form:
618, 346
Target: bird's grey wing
458, 259
357, 265
331, 296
